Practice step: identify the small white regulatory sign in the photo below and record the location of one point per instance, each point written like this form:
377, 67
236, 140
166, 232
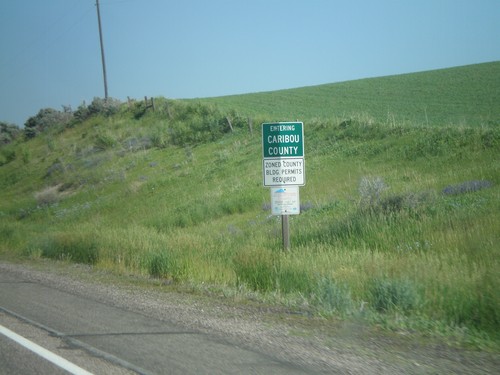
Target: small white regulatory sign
285, 200
284, 172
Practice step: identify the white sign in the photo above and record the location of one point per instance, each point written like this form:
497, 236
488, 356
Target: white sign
285, 200
284, 172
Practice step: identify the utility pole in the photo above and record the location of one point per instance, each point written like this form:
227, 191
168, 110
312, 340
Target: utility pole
102, 52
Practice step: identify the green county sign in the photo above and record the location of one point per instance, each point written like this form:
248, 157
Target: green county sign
283, 151
283, 139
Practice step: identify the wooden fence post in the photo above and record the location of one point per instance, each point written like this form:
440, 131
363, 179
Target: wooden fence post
168, 109
229, 122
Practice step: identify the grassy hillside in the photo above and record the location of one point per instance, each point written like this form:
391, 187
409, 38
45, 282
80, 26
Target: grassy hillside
468, 95
400, 222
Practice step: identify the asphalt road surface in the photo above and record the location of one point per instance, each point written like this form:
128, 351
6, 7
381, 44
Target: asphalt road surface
102, 338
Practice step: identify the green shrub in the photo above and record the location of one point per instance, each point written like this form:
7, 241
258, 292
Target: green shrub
105, 107
104, 141
99, 107
44, 119
490, 138
388, 295
159, 139
8, 133
194, 123
332, 297
7, 155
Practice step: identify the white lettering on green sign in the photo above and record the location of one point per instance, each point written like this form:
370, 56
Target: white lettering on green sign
282, 151
283, 140
287, 138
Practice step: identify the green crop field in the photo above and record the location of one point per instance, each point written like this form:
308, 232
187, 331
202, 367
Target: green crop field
466, 95
400, 221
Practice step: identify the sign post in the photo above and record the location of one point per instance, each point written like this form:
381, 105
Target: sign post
283, 169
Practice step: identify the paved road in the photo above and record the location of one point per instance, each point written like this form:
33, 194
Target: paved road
102, 338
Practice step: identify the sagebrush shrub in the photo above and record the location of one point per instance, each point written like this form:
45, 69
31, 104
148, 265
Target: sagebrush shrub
333, 297
391, 294
48, 196
44, 119
370, 190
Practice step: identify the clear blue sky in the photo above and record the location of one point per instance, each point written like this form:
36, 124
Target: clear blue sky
50, 54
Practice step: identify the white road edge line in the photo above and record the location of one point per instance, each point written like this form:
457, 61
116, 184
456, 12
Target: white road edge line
44, 353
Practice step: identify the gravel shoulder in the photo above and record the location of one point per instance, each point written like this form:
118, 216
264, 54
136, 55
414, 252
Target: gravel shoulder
325, 346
